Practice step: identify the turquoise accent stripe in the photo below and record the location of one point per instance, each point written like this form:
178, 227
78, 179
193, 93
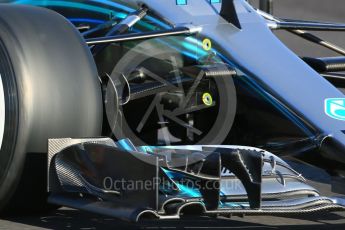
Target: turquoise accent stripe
89, 20
125, 145
130, 10
185, 191
194, 46
69, 4
114, 4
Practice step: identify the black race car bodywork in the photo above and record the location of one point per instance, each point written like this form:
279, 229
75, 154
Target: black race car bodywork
181, 87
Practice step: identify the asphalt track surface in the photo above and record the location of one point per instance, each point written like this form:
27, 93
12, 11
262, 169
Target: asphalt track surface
330, 10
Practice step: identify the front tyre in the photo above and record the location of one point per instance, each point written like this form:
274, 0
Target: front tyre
48, 89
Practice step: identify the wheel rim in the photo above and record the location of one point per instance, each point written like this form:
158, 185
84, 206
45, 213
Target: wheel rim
2, 111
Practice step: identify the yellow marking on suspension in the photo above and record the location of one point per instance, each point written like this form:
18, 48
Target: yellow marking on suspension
207, 99
207, 44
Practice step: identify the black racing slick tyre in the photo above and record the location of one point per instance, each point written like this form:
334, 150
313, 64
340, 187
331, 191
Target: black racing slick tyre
49, 88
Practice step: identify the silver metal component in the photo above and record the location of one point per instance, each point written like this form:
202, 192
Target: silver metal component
100, 27
131, 20
319, 41
140, 36
119, 28
267, 16
273, 164
292, 206
276, 23
338, 201
314, 26
83, 27
192, 28
281, 177
273, 24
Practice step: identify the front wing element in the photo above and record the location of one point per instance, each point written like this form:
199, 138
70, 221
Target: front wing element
129, 182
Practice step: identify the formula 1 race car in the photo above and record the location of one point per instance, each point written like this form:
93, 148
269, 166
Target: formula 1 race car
145, 108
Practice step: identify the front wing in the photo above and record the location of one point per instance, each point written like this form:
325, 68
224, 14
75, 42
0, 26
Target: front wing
129, 182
